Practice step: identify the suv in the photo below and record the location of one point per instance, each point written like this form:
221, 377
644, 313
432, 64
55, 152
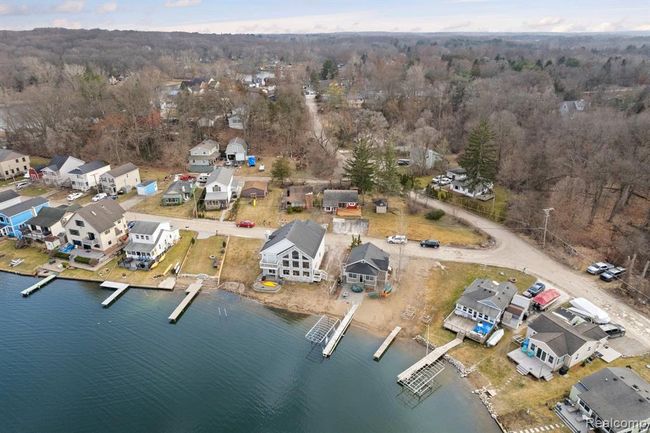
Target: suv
397, 239
429, 243
22, 184
599, 267
612, 274
613, 330
535, 290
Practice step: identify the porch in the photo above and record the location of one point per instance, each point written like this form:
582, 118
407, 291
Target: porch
465, 326
530, 365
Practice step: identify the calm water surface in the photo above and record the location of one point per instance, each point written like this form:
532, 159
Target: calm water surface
67, 365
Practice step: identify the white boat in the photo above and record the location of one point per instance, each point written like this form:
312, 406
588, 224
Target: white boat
495, 338
590, 311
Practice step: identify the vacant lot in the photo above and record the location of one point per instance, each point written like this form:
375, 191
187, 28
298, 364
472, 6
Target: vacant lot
398, 220
33, 257
242, 261
266, 211
199, 259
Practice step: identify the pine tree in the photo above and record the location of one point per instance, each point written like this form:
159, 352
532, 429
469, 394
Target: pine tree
480, 156
281, 169
360, 168
387, 178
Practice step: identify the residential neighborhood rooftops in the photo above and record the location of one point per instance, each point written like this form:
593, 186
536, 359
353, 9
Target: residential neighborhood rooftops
180, 187
366, 256
57, 162
89, 167
101, 215
485, 296
235, 145
47, 217
23, 206
332, 197
144, 227
8, 154
7, 195
457, 170
146, 182
306, 235
561, 336
221, 175
122, 169
206, 145
616, 393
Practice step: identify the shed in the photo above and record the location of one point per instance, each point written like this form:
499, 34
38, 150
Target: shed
147, 188
236, 150
255, 189
381, 205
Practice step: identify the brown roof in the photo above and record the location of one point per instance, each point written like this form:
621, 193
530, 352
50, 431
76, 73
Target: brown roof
257, 184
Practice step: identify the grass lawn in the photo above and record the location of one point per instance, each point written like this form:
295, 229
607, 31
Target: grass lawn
198, 259
34, 190
35, 161
242, 260
152, 205
397, 220
111, 271
33, 257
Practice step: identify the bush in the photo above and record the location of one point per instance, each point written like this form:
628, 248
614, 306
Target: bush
435, 214
84, 260
413, 207
62, 255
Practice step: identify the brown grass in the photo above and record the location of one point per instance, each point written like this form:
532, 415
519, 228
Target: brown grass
242, 261
198, 259
33, 257
266, 211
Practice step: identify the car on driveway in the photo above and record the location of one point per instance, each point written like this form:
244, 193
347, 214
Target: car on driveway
599, 267
75, 195
535, 290
430, 243
397, 239
23, 184
100, 196
246, 224
613, 330
612, 274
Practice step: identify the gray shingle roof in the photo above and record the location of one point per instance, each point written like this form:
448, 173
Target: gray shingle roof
101, 215
561, 336
122, 169
89, 167
236, 145
23, 206
370, 254
144, 227
47, 217
179, 187
7, 195
617, 393
207, 145
7, 154
221, 175
57, 162
488, 297
332, 197
305, 235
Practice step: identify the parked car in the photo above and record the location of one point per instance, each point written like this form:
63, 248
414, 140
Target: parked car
403, 161
100, 196
397, 239
246, 224
261, 167
612, 274
74, 195
613, 330
22, 184
130, 224
444, 181
429, 243
599, 267
535, 290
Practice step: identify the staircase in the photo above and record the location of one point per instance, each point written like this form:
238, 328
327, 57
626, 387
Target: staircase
548, 376
522, 370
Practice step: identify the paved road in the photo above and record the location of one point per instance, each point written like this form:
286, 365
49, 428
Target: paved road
510, 251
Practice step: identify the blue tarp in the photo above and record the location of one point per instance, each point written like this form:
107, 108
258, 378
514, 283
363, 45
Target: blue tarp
483, 328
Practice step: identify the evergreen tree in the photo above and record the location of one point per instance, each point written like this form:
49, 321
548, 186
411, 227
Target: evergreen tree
360, 168
387, 178
480, 156
475, 72
281, 169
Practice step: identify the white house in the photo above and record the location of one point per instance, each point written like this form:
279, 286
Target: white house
220, 188
123, 178
148, 241
203, 156
458, 173
87, 176
99, 226
236, 150
463, 187
57, 173
294, 252
47, 226
425, 158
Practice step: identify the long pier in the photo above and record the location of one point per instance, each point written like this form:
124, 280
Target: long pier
428, 360
120, 288
31, 289
387, 342
338, 334
191, 291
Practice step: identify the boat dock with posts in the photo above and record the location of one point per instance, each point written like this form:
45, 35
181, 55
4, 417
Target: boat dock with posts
338, 334
387, 342
31, 289
191, 291
120, 288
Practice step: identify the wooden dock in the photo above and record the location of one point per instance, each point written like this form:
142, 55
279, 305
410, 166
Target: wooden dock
120, 288
428, 360
191, 291
387, 342
338, 334
31, 289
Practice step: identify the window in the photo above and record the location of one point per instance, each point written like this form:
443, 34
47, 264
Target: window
74, 232
305, 273
285, 263
305, 264
271, 271
296, 264
79, 223
91, 236
285, 272
551, 359
295, 255
296, 273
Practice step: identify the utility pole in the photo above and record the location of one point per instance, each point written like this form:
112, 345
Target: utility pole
547, 214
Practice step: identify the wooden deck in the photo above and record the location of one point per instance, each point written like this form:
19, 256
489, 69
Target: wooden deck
387, 342
31, 289
191, 291
428, 360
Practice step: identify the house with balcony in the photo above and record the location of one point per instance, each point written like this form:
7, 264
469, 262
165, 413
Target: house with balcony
87, 176
57, 173
294, 252
367, 266
121, 179
220, 188
552, 344
148, 242
16, 210
203, 157
47, 228
13, 164
98, 226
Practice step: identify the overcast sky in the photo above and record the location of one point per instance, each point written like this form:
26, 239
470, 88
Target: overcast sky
317, 16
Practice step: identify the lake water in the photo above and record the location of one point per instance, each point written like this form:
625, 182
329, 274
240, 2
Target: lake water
67, 365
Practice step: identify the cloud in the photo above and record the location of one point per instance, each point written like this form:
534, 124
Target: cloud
70, 6
106, 8
63, 22
8, 9
181, 3
546, 23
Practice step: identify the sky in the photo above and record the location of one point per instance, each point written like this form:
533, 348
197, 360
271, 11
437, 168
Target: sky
322, 16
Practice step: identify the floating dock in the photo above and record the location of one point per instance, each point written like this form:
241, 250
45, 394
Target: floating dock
31, 289
120, 288
427, 361
338, 334
387, 342
191, 291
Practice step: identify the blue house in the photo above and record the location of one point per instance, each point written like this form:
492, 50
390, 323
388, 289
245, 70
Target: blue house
13, 217
147, 188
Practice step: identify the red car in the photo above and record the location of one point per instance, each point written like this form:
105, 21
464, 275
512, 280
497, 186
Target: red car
246, 224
